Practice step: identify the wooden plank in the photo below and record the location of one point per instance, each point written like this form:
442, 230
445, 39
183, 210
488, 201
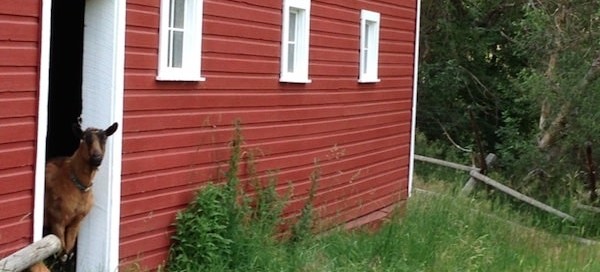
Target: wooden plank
28, 8
445, 163
520, 196
31, 254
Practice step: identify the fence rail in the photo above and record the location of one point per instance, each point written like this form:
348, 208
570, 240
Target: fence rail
31, 254
474, 172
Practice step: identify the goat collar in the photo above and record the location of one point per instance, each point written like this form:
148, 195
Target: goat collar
78, 184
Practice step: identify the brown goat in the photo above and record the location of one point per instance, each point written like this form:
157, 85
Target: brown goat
68, 196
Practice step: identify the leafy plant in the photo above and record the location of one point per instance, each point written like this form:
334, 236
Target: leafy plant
225, 228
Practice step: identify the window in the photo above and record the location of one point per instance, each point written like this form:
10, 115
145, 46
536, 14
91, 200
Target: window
369, 46
180, 40
294, 41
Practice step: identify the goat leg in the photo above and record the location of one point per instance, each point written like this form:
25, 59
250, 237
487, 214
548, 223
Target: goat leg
71, 233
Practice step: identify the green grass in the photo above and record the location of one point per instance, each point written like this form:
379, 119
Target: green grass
223, 229
436, 233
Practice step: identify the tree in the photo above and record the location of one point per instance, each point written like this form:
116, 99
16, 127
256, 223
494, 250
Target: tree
468, 64
528, 71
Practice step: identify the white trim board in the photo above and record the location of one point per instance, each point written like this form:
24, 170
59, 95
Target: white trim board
102, 101
42, 129
411, 161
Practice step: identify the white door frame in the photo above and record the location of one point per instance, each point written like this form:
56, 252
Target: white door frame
102, 103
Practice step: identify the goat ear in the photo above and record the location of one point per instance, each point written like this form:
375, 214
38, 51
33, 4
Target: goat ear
77, 130
110, 130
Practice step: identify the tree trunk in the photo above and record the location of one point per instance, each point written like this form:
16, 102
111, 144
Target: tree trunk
549, 136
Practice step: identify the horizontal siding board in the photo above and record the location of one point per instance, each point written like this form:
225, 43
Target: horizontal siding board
141, 59
141, 38
343, 179
213, 26
17, 155
177, 197
146, 261
244, 13
18, 29
19, 68
16, 230
16, 179
149, 161
21, 129
329, 157
17, 106
176, 134
143, 16
151, 242
18, 81
144, 223
335, 10
28, 8
15, 204
360, 193
200, 137
225, 45
242, 64
19, 54
151, 101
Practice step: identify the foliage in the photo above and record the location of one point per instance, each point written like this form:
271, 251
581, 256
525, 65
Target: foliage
224, 228
302, 229
467, 65
441, 233
525, 70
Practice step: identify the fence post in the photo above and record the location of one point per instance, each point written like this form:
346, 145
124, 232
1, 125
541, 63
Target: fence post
471, 183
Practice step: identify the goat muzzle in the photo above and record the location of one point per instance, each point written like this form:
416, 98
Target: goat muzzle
96, 160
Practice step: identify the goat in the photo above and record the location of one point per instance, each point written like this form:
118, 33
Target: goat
68, 183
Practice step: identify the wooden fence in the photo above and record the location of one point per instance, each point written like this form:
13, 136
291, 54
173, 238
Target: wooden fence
474, 173
32, 254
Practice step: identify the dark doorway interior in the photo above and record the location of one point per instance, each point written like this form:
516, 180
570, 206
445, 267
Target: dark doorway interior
66, 59
64, 94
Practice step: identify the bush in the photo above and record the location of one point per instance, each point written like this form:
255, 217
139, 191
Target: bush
225, 229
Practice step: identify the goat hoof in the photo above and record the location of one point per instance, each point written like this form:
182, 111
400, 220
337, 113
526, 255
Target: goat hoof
67, 256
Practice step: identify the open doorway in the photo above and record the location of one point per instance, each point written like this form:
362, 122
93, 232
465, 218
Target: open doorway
65, 74
64, 87
81, 74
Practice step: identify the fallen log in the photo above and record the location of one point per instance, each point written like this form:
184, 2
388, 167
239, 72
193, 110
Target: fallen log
31, 254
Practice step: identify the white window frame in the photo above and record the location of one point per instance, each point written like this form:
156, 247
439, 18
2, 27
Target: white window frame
299, 63
369, 47
192, 42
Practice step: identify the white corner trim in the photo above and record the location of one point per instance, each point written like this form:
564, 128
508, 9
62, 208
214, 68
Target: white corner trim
102, 104
411, 160
42, 123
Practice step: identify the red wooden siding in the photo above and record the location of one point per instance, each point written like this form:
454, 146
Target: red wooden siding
19, 58
176, 133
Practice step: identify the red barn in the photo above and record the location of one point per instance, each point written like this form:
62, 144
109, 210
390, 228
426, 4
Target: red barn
321, 79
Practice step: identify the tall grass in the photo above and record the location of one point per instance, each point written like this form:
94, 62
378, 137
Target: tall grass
454, 234
222, 230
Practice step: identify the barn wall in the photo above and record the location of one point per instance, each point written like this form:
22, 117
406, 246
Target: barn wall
19, 57
176, 133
